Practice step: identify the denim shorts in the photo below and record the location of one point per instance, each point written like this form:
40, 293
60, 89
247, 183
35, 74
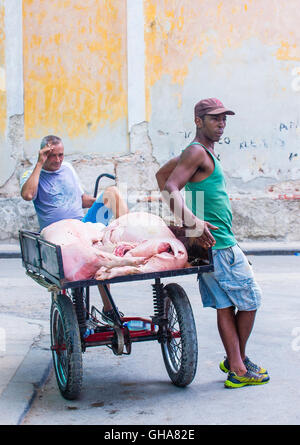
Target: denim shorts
232, 283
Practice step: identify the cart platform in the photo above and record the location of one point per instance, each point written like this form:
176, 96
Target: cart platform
44, 259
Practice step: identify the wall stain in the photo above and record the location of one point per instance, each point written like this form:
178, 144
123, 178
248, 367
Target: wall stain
203, 27
74, 66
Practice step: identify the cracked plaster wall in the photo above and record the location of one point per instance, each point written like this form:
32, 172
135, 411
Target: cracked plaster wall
253, 68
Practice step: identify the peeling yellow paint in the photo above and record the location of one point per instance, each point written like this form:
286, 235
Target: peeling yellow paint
286, 51
57, 38
194, 28
74, 66
179, 75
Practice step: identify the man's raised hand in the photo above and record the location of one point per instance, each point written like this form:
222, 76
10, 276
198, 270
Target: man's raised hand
44, 153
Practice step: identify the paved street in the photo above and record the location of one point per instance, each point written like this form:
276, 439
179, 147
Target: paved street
136, 390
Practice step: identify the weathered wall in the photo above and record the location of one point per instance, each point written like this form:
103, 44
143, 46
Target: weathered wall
75, 80
2, 76
245, 53
248, 55
11, 111
118, 82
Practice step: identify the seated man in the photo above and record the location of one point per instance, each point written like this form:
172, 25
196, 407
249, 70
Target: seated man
55, 190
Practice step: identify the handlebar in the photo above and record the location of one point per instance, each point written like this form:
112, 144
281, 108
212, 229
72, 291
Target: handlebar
98, 179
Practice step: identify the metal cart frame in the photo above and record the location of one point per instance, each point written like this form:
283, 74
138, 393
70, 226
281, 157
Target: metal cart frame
172, 323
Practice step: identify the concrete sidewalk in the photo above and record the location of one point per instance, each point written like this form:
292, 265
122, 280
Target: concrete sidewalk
25, 359
24, 365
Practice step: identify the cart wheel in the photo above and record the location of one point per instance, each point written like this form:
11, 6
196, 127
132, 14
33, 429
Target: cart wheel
179, 348
66, 347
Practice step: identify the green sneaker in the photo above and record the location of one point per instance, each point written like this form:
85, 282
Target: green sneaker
249, 378
250, 366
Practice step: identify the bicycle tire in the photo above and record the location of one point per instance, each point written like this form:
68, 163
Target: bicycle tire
180, 346
66, 347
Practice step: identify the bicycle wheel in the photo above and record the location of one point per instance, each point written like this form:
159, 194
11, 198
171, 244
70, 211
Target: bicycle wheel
179, 347
66, 347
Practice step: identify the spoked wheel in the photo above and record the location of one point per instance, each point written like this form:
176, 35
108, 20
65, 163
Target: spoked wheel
66, 347
179, 348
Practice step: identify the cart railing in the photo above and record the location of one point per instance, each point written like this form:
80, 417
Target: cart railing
41, 257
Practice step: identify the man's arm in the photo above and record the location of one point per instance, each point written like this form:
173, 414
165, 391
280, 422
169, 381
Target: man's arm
165, 171
182, 169
30, 187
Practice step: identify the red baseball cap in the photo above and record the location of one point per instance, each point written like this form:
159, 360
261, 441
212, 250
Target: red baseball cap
210, 106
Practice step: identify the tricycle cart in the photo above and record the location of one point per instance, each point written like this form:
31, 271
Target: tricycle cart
75, 326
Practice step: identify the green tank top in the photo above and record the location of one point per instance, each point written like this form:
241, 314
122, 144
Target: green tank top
213, 204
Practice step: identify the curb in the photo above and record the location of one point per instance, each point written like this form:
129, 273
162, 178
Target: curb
27, 380
10, 251
10, 255
271, 252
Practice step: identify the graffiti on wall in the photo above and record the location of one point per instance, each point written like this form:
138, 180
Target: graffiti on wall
258, 143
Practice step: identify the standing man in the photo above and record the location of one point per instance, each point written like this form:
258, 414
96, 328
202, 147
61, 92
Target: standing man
231, 289
55, 190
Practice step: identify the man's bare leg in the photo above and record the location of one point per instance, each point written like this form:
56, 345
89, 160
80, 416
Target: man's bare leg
230, 339
244, 323
113, 199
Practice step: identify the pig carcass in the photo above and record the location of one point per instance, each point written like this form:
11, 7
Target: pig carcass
137, 242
